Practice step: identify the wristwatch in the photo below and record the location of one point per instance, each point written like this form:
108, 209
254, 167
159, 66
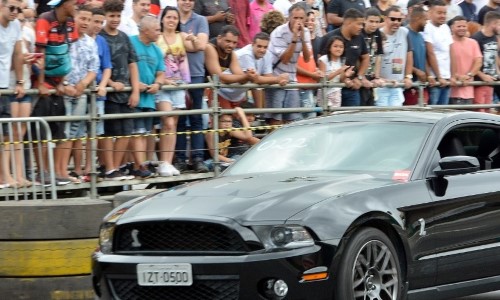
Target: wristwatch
360, 77
409, 76
20, 81
65, 83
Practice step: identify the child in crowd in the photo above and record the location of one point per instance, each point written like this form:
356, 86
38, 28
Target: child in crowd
335, 71
226, 136
124, 73
102, 77
85, 61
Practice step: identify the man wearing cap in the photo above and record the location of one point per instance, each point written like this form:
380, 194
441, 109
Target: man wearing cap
55, 29
412, 4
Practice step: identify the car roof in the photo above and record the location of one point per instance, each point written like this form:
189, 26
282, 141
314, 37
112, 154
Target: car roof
419, 115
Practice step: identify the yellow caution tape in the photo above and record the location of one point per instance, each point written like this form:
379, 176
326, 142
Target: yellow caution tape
266, 127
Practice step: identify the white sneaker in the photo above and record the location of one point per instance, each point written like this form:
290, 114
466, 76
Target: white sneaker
173, 170
164, 169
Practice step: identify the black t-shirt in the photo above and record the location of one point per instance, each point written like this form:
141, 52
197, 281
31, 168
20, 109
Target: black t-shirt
489, 49
482, 12
375, 48
122, 54
353, 49
339, 7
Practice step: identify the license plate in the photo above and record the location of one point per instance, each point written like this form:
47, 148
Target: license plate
165, 274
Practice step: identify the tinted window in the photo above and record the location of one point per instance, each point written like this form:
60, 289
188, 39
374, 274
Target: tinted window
336, 147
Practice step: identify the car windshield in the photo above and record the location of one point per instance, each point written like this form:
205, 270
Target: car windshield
348, 146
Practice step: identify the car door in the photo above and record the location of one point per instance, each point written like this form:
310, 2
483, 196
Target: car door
466, 221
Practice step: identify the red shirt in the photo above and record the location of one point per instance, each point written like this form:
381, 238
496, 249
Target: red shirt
50, 32
241, 11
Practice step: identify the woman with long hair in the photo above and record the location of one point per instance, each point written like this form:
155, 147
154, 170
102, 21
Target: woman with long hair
171, 43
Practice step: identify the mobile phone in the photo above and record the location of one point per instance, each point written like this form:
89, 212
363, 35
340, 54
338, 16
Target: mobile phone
37, 55
228, 9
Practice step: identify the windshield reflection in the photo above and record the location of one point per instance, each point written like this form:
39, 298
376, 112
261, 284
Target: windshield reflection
353, 147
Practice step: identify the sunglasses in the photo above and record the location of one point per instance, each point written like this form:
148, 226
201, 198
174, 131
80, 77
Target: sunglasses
393, 19
13, 8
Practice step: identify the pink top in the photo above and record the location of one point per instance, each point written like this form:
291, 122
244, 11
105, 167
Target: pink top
256, 13
464, 52
241, 11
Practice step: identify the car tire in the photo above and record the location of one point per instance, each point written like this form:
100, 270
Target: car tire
369, 268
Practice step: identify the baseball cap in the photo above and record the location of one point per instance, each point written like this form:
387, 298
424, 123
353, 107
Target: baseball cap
417, 2
55, 3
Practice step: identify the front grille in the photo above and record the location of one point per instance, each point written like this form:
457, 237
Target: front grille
174, 236
128, 289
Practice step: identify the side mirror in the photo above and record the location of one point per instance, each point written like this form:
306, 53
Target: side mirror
455, 165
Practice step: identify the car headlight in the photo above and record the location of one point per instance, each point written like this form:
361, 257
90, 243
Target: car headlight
106, 237
107, 228
283, 236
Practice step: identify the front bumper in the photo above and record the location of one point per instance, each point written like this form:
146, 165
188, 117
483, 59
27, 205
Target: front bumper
218, 277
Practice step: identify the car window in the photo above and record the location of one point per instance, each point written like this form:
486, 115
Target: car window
477, 141
353, 146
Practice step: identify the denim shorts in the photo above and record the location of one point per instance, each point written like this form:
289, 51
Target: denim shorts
99, 129
24, 99
4, 112
143, 125
177, 98
75, 106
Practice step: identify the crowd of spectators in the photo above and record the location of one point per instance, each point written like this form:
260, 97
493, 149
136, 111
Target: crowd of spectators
377, 49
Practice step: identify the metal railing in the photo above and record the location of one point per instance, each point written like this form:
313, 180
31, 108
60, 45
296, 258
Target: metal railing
215, 111
18, 155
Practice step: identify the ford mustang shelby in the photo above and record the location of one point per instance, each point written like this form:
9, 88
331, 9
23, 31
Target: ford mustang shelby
357, 205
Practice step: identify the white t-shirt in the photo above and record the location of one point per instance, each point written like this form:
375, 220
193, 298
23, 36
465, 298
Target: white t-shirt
331, 66
129, 26
283, 6
9, 36
441, 40
395, 53
28, 35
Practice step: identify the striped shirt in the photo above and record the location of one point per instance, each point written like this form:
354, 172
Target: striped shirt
281, 38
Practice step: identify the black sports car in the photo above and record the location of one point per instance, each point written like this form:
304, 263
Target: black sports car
356, 205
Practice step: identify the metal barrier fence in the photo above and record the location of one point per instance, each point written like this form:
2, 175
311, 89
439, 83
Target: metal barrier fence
16, 136
32, 138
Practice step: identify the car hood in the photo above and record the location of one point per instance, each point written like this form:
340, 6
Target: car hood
250, 198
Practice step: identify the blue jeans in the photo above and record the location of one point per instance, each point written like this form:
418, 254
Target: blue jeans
350, 97
389, 96
439, 95
197, 140
307, 100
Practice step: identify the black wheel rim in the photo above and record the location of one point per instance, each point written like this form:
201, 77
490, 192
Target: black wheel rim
375, 273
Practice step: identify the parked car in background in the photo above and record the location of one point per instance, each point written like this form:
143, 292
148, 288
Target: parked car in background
357, 205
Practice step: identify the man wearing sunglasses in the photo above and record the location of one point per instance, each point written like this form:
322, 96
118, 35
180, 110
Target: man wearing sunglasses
10, 53
10, 45
397, 61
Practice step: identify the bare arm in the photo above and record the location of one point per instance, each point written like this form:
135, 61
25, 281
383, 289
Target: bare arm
195, 43
214, 68
334, 19
18, 68
431, 58
134, 81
